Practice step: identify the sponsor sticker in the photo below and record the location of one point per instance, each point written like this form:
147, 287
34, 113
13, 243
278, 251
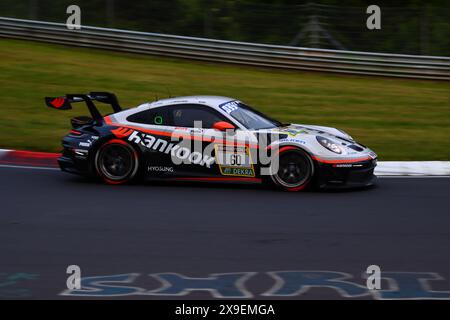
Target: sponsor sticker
160, 169
230, 106
234, 160
294, 133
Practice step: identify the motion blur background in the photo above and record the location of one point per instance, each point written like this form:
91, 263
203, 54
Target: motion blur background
413, 27
401, 119
50, 220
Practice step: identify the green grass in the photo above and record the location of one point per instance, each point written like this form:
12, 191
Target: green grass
399, 119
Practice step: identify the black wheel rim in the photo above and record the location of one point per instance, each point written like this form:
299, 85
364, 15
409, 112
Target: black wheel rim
294, 169
116, 161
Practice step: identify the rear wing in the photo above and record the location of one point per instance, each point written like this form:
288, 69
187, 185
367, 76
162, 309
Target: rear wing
65, 102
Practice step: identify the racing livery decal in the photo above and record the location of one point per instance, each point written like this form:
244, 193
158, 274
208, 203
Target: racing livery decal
234, 160
175, 150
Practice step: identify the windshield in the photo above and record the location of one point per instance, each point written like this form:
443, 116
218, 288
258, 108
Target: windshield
248, 117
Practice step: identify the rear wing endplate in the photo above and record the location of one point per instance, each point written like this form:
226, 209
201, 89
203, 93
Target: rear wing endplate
65, 102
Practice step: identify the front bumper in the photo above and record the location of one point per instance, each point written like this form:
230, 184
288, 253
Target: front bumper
346, 175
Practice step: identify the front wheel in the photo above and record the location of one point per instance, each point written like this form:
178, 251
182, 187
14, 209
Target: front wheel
295, 169
116, 162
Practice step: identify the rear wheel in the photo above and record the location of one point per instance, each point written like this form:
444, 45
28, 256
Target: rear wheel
295, 169
116, 162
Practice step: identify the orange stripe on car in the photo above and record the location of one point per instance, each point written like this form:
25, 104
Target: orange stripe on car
336, 161
182, 135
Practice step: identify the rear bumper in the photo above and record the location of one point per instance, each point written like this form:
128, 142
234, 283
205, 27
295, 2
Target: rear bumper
346, 175
75, 166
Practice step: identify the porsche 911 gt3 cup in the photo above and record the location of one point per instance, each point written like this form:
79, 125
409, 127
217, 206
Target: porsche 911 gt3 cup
208, 138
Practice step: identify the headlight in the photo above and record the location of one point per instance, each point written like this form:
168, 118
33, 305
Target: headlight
330, 145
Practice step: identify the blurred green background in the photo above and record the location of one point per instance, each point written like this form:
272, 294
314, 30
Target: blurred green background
400, 119
408, 26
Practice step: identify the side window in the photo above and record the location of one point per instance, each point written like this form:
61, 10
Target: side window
156, 116
185, 115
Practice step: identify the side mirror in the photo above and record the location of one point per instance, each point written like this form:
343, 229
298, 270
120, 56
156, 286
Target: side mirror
223, 126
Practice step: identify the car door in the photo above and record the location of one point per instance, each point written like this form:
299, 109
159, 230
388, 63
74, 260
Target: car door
180, 141
197, 122
232, 156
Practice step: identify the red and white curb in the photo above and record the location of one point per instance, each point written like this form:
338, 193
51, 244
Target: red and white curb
45, 160
413, 168
32, 159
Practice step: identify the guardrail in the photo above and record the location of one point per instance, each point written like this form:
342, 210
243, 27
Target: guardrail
351, 62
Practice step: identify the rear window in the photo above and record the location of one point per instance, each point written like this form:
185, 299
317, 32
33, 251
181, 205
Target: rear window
156, 116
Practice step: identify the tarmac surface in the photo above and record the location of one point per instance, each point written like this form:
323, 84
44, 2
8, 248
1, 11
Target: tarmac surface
50, 220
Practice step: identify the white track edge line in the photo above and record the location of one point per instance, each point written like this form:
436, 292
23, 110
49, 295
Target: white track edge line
26, 167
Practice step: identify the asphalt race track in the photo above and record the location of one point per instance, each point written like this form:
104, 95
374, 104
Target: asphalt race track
50, 220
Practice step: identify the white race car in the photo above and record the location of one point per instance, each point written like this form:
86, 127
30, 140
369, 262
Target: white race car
208, 138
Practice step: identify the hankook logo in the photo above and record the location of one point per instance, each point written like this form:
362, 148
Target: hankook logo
177, 151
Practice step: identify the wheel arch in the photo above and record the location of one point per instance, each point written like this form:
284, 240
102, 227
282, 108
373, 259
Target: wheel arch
105, 139
297, 146
285, 147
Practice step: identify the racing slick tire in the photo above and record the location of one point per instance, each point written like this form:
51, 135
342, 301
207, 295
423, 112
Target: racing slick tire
116, 162
295, 169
